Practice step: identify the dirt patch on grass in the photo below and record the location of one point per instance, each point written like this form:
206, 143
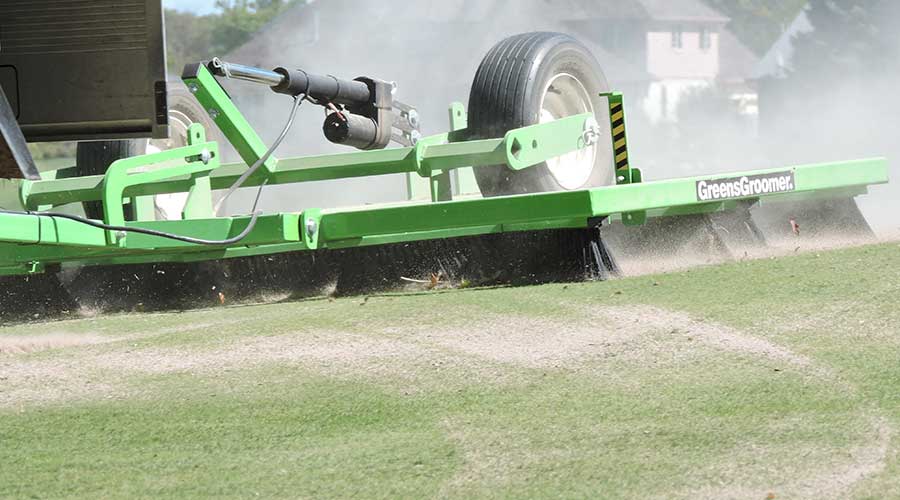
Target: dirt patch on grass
635, 334
22, 344
324, 352
865, 461
491, 350
641, 319
521, 341
107, 372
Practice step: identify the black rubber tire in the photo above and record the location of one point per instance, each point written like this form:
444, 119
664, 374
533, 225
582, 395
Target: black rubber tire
507, 94
95, 157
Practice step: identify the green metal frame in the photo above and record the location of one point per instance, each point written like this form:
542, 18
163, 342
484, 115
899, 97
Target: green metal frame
30, 242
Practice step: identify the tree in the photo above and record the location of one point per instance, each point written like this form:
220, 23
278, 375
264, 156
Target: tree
190, 37
240, 19
839, 99
850, 39
758, 23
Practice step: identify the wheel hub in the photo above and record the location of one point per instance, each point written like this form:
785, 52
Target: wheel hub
567, 96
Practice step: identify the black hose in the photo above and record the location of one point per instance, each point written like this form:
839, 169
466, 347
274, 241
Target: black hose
262, 159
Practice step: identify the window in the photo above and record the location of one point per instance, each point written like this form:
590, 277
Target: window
677, 38
705, 39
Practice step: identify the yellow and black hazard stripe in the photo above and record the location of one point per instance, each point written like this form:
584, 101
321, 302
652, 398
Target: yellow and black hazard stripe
620, 143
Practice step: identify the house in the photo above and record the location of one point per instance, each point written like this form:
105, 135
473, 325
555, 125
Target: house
689, 47
655, 51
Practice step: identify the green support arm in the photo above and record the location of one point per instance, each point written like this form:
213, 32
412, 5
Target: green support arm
519, 149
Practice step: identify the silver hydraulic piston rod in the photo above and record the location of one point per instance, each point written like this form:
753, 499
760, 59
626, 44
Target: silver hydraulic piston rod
325, 88
246, 73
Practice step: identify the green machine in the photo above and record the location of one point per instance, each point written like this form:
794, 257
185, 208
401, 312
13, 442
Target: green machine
543, 137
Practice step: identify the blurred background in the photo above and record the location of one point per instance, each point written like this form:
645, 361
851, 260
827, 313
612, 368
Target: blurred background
710, 85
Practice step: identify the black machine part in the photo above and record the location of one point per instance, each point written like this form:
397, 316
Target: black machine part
363, 113
85, 69
324, 88
364, 126
351, 130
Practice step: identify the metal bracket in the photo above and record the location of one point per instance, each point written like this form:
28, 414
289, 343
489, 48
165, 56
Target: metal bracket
530, 146
118, 177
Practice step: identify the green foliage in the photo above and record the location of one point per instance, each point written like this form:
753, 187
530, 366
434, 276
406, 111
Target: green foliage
190, 37
758, 23
239, 19
842, 84
851, 39
48, 150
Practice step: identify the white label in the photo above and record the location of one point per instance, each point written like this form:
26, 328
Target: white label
746, 186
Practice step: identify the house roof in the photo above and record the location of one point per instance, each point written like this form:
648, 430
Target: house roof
682, 10
736, 61
778, 58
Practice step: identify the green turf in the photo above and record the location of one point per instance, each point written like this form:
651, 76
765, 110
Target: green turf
641, 424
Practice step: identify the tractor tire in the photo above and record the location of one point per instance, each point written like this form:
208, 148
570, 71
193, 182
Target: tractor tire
95, 157
534, 78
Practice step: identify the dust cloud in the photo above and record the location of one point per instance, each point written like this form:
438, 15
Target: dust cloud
432, 49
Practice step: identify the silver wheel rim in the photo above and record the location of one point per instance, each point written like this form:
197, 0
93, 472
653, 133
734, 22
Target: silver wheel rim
179, 122
565, 96
170, 206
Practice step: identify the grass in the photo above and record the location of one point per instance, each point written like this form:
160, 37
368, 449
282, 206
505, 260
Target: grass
401, 403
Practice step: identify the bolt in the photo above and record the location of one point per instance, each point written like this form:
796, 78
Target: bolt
311, 227
213, 113
205, 156
415, 137
413, 118
194, 88
591, 132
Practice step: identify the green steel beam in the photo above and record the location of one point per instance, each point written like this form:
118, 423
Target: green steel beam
50, 240
429, 156
228, 118
466, 184
683, 192
38, 233
200, 158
